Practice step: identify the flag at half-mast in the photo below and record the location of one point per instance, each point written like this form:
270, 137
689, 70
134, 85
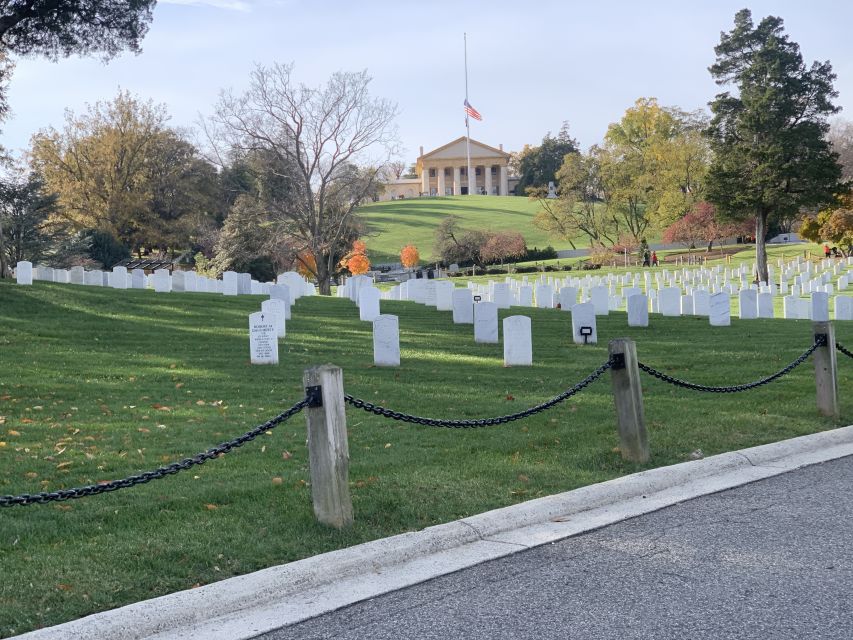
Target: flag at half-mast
471, 111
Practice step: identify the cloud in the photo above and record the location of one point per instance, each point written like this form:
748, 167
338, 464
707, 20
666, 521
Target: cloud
230, 5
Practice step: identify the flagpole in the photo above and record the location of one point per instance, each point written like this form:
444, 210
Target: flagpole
471, 180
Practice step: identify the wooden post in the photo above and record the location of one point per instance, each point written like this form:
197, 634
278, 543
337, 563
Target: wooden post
825, 371
628, 397
328, 451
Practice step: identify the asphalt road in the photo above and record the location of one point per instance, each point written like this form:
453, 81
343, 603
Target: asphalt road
770, 560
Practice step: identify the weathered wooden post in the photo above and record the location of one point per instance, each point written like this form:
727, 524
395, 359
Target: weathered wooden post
328, 451
825, 370
628, 397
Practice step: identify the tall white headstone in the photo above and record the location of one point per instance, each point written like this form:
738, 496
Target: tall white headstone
500, 296
463, 306
78, 275
669, 301
244, 284
118, 278
444, 295
24, 272
701, 302
368, 303
599, 297
386, 341
137, 279
274, 309
486, 322
518, 342
162, 281
843, 308
525, 296
584, 330
765, 305
263, 339
720, 311
568, 298
790, 308
820, 306
748, 304
545, 296
282, 292
638, 311
230, 283
178, 280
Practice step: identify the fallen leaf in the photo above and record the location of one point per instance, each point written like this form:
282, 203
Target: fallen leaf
179, 385
286, 455
31, 475
211, 507
161, 407
106, 410
2, 444
63, 465
200, 403
143, 430
63, 587
523, 478
387, 445
278, 480
173, 366
26, 421
510, 397
12, 432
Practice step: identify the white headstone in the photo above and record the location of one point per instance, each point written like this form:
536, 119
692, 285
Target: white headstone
368, 303
162, 281
282, 292
638, 311
24, 272
518, 342
670, 301
720, 310
568, 298
118, 278
77, 275
444, 295
765, 305
583, 322
274, 309
525, 296
748, 304
137, 279
486, 322
599, 297
244, 284
820, 306
843, 308
463, 306
545, 296
804, 308
501, 297
686, 305
178, 280
263, 339
790, 307
230, 283
701, 302
386, 341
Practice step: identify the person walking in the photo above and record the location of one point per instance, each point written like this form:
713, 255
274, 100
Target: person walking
654, 258
826, 251
646, 259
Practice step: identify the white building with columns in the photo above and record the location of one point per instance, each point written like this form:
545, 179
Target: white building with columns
444, 172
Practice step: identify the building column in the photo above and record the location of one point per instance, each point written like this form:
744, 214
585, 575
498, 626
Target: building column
504, 191
425, 180
487, 179
457, 181
439, 172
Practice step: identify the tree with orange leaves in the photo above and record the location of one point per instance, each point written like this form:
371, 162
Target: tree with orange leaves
356, 260
306, 265
409, 256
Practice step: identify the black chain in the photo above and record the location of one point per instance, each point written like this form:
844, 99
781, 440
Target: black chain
156, 474
819, 342
843, 350
485, 422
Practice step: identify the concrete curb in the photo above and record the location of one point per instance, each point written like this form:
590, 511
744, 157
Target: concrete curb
246, 606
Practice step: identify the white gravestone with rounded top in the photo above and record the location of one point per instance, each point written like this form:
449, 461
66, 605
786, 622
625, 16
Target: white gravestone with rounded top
584, 330
669, 301
229, 283
765, 305
274, 308
368, 303
244, 284
525, 295
162, 281
720, 310
544, 296
790, 308
444, 295
748, 304
568, 298
638, 311
137, 279
282, 292
263, 339
701, 302
118, 278
486, 322
386, 341
518, 342
24, 272
599, 297
463, 306
820, 306
500, 296
843, 308
77, 275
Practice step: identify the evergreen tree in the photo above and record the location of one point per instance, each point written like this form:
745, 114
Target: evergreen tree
771, 155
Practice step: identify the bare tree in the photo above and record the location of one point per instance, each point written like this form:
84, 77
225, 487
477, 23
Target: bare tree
319, 139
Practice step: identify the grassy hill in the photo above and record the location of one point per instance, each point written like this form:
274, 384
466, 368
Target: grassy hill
99, 384
397, 223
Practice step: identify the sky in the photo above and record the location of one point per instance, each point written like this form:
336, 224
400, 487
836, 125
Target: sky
531, 65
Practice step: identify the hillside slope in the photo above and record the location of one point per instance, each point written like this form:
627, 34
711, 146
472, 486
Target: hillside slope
394, 224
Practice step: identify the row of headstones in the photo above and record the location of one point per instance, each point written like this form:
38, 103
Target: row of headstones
162, 281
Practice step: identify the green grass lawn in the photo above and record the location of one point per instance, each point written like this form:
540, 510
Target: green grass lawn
396, 223
99, 384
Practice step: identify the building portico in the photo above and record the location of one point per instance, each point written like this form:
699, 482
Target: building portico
444, 171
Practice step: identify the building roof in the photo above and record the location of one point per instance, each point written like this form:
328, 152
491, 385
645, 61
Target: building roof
456, 149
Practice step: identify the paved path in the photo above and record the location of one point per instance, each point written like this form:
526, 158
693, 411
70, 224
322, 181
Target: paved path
770, 560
